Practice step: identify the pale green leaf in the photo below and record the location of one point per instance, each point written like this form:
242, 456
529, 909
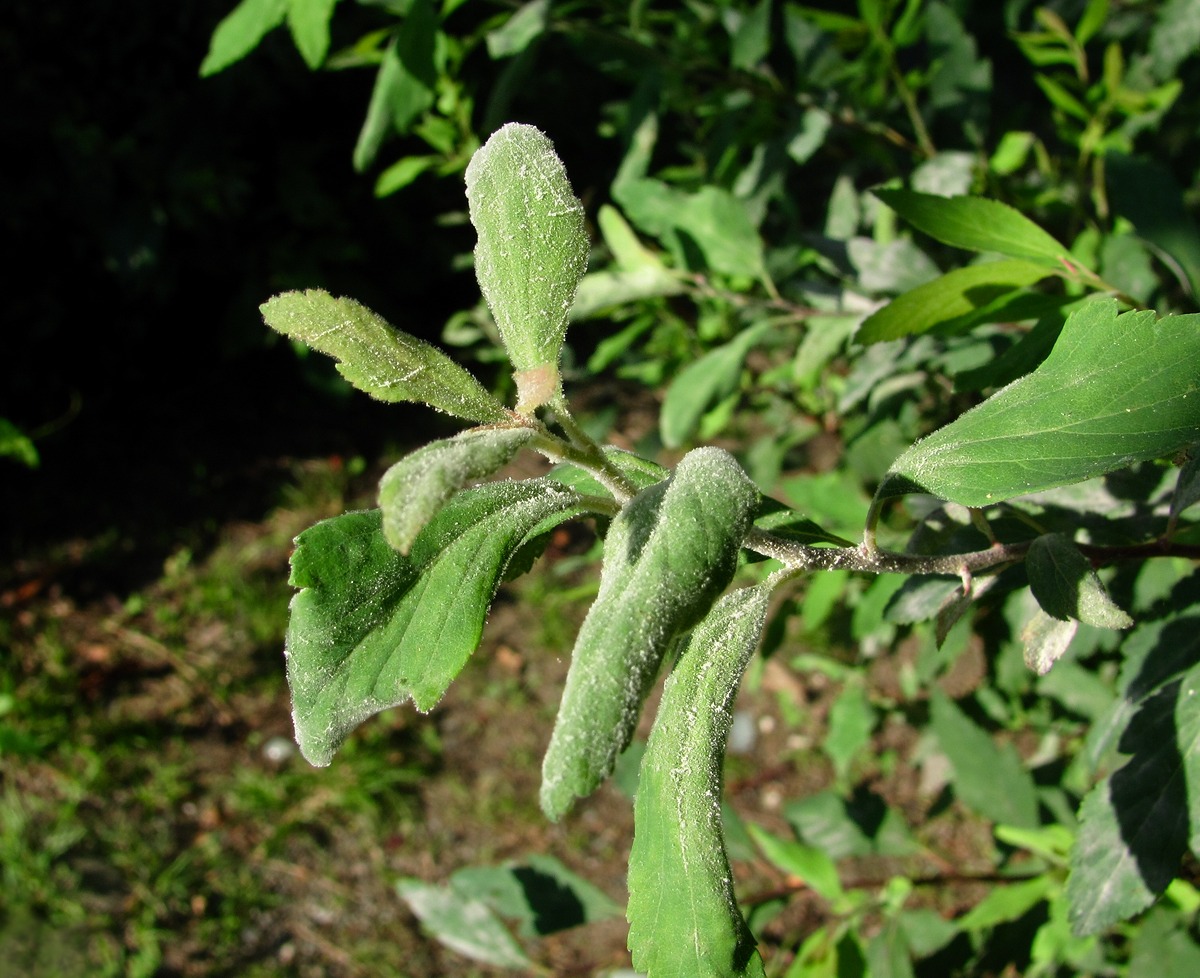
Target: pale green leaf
1066, 586
805, 862
379, 359
977, 224
851, 721
14, 443
462, 924
1007, 903
415, 488
372, 628
987, 779
1045, 640
1115, 390
531, 253
403, 172
308, 21
683, 916
668, 554
702, 383
240, 32
956, 294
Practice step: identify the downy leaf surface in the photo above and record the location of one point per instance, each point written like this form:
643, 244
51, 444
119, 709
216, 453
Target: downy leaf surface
683, 916
532, 251
372, 628
379, 359
1115, 390
414, 489
668, 554
1066, 586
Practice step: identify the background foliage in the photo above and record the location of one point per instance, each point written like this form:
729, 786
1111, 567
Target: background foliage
725, 154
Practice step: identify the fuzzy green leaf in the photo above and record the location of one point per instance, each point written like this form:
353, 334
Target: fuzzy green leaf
240, 32
372, 628
958, 293
977, 224
377, 358
1115, 390
1066, 586
465, 925
1045, 640
414, 489
668, 554
684, 919
531, 254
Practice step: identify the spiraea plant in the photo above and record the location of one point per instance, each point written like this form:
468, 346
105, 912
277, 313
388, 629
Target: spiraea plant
392, 602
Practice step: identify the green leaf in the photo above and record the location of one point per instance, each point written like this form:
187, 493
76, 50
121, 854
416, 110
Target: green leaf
1115, 390
987, 779
961, 292
851, 721
1186, 494
1066, 586
14, 443
372, 628
403, 172
1134, 825
308, 21
240, 32
1005, 904
977, 224
807, 863
531, 254
668, 554
414, 489
462, 924
1045, 640
683, 917
704, 382
379, 359
519, 31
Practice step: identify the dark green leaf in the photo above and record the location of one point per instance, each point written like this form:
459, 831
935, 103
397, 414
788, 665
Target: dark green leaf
987, 779
414, 489
780, 521
684, 921
372, 628
531, 253
464, 925
1187, 487
1115, 390
1066, 586
977, 224
240, 32
668, 554
379, 359
403, 85
1134, 825
953, 295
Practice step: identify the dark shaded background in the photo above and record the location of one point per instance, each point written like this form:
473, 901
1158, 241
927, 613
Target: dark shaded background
148, 212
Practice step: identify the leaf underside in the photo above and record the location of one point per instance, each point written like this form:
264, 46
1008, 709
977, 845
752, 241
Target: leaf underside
683, 916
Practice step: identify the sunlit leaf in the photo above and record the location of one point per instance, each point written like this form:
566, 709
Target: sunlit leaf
465, 925
1115, 390
684, 920
372, 628
308, 21
240, 32
379, 359
668, 555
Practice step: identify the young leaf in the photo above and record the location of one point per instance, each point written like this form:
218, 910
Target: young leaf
531, 254
308, 20
372, 628
683, 917
957, 293
1134, 825
414, 489
240, 32
379, 359
467, 926
1114, 391
1046, 639
977, 224
667, 556
1066, 586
